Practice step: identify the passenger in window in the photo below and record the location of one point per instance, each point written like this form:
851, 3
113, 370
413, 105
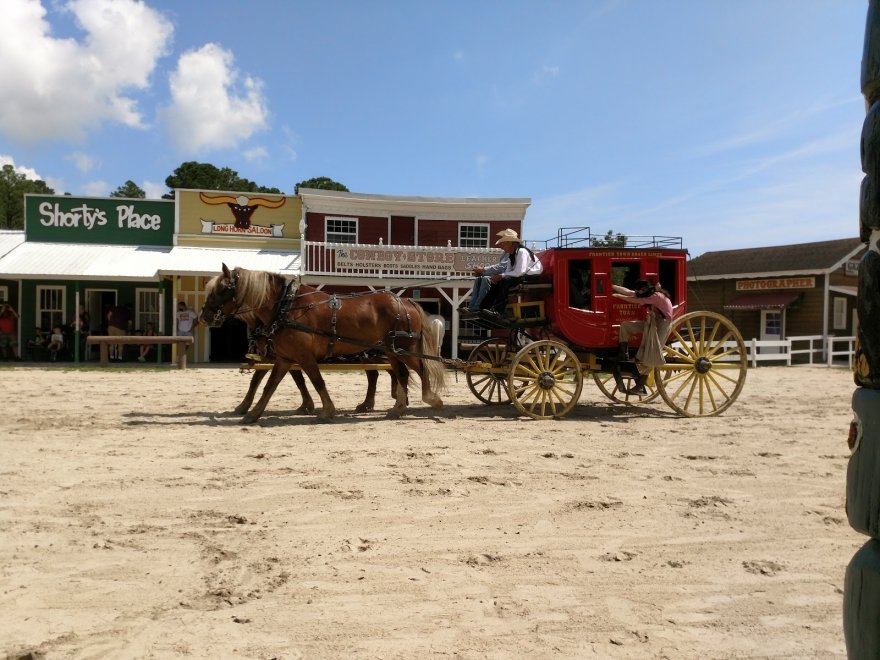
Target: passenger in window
579, 288
655, 328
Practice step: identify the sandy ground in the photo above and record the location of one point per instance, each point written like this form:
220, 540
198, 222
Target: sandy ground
139, 518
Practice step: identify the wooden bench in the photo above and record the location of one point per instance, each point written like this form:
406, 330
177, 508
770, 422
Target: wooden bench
104, 342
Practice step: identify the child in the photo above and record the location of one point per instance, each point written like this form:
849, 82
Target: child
56, 342
146, 348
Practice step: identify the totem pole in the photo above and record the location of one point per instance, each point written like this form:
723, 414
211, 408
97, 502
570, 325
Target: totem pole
861, 601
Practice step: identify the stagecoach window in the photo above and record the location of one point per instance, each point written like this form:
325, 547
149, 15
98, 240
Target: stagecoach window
473, 236
625, 273
341, 230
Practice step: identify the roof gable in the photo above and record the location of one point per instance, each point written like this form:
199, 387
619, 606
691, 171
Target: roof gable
823, 256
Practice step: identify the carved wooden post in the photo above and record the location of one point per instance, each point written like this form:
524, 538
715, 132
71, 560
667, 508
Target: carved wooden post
861, 601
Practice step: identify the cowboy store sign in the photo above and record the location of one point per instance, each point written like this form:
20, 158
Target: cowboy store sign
110, 221
397, 260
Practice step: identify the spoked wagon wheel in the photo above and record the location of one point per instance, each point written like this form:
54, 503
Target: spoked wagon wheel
609, 387
490, 387
706, 364
545, 380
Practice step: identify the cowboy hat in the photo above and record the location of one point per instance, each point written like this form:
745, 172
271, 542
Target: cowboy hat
507, 236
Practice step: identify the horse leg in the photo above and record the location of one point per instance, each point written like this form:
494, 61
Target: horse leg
310, 367
369, 401
401, 373
308, 406
245, 404
275, 378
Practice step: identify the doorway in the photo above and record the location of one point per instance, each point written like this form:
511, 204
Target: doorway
771, 328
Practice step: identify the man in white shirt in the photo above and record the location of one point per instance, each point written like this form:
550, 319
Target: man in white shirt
185, 320
493, 282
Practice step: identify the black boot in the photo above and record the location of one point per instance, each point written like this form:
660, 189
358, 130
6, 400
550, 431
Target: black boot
623, 351
638, 386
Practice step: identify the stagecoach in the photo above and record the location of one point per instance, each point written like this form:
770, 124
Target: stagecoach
562, 327
557, 330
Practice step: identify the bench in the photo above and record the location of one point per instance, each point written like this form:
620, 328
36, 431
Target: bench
104, 342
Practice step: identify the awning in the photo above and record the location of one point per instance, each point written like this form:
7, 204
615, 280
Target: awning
132, 263
183, 260
779, 300
76, 261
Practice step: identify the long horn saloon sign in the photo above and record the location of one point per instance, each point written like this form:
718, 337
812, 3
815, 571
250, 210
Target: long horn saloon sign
243, 209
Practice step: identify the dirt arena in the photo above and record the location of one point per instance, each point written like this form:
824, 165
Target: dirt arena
140, 519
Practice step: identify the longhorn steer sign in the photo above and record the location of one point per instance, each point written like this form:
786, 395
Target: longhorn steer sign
242, 207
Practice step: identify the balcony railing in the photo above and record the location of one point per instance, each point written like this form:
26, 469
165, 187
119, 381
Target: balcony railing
395, 261
444, 262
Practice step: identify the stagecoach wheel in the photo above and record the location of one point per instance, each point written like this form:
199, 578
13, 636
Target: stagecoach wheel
490, 387
545, 380
609, 388
706, 365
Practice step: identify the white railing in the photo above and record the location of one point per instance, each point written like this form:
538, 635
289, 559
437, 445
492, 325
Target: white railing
847, 352
780, 350
815, 344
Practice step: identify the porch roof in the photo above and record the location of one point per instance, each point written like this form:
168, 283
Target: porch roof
779, 300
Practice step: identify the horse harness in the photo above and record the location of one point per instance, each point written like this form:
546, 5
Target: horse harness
286, 305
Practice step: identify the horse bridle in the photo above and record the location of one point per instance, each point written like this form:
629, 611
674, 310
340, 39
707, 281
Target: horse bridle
228, 295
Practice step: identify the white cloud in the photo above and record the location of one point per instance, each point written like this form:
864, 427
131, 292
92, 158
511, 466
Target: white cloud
84, 163
61, 88
96, 189
210, 108
154, 189
256, 154
29, 172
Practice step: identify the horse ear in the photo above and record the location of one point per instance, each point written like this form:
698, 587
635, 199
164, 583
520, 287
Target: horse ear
226, 272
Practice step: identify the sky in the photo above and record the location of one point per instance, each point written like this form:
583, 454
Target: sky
728, 124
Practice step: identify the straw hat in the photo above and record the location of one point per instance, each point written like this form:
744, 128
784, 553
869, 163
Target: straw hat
507, 236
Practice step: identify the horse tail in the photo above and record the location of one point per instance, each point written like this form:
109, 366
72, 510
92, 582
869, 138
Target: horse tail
429, 344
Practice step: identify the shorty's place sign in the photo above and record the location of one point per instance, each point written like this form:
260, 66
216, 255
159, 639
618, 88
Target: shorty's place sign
777, 283
110, 220
410, 260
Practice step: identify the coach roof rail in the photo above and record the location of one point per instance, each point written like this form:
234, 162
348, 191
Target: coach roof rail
582, 237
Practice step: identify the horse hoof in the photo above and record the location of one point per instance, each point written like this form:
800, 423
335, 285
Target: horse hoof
241, 410
362, 408
247, 419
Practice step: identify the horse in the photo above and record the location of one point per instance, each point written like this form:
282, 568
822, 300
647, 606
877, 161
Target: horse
306, 326
308, 405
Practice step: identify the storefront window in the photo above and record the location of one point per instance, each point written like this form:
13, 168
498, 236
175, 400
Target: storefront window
473, 236
50, 307
341, 230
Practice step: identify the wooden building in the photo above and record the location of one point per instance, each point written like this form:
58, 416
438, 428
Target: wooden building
808, 289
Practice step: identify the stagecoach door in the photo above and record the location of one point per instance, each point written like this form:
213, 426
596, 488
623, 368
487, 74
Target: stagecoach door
771, 328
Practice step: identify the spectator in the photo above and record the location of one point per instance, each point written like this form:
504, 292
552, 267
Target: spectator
8, 331
56, 343
118, 325
185, 320
146, 348
82, 323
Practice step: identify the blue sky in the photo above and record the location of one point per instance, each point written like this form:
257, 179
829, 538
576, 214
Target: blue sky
730, 124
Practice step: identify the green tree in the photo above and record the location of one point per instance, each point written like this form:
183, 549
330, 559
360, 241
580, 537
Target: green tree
204, 176
320, 183
13, 187
611, 240
129, 189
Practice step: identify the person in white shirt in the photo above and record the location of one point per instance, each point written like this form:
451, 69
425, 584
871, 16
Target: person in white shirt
493, 282
185, 320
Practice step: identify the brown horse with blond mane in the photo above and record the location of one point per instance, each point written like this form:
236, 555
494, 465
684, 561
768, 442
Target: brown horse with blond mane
306, 326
